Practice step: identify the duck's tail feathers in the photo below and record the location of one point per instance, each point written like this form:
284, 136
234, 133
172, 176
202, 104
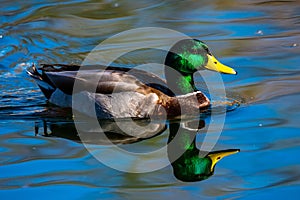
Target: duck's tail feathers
46, 86
33, 72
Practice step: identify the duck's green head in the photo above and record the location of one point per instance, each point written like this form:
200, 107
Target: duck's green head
194, 168
189, 55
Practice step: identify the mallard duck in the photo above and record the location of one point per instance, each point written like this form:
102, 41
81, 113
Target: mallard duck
131, 93
187, 162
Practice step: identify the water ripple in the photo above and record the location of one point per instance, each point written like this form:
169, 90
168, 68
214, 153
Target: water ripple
259, 38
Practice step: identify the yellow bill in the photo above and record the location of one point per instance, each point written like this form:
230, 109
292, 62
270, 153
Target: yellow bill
215, 65
218, 155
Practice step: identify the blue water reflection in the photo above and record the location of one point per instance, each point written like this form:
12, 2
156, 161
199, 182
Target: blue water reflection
260, 38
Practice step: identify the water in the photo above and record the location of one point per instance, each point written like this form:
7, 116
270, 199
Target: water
260, 38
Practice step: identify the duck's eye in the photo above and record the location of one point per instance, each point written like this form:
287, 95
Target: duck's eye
207, 50
218, 158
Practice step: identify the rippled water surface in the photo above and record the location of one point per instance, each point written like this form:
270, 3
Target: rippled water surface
259, 38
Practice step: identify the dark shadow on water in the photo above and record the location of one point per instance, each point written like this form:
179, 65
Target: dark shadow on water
110, 131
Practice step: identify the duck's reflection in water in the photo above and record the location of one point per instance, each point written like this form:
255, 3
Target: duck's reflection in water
186, 160
110, 131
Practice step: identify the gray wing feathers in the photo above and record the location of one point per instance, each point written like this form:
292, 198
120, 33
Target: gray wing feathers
105, 82
116, 105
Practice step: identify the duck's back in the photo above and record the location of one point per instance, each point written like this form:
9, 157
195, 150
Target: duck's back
102, 79
116, 92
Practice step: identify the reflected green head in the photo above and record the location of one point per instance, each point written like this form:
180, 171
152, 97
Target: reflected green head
193, 169
190, 167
